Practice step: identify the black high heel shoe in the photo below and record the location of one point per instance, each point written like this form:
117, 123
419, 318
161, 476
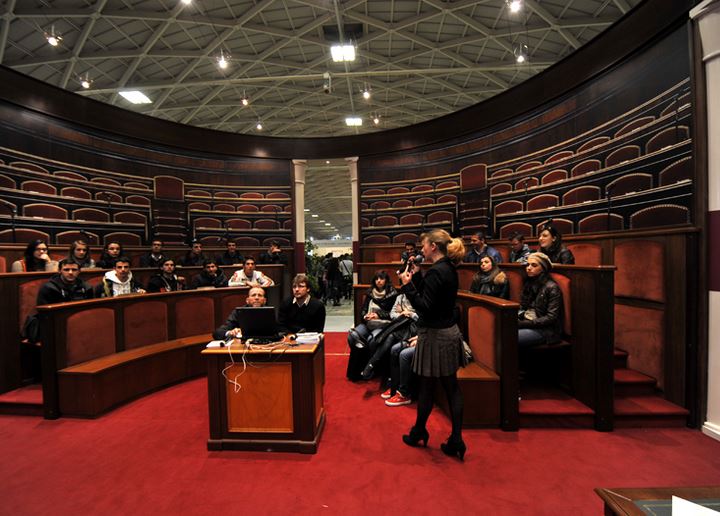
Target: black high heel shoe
415, 436
368, 372
454, 448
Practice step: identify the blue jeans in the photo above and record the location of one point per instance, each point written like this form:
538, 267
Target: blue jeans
401, 357
528, 338
361, 333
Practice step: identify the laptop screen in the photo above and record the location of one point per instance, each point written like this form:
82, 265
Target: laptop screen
257, 322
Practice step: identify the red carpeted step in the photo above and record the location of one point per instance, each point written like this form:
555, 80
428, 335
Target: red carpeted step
629, 382
620, 358
648, 411
555, 413
25, 401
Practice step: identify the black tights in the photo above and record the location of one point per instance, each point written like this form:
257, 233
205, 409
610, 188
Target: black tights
454, 397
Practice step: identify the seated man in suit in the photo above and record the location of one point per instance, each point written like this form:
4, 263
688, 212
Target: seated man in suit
249, 277
255, 298
65, 286
155, 257
119, 281
301, 312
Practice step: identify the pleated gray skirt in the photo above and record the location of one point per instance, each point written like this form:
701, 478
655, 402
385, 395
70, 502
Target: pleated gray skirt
439, 352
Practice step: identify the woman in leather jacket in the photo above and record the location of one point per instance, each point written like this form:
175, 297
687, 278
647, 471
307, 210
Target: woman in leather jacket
541, 305
550, 244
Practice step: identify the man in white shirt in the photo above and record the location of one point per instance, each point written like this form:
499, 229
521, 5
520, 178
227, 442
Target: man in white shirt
249, 277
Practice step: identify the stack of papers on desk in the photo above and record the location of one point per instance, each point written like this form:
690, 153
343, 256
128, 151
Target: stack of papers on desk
308, 338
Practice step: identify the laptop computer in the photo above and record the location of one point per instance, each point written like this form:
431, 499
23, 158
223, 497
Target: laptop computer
258, 323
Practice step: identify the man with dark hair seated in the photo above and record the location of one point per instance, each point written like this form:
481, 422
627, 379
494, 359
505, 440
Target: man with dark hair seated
255, 298
166, 280
519, 250
210, 277
119, 281
231, 256
479, 249
194, 256
155, 257
65, 286
301, 312
274, 255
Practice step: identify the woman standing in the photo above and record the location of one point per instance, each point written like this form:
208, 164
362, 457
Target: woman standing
439, 351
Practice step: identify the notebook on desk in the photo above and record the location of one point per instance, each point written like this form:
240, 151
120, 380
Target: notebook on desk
258, 323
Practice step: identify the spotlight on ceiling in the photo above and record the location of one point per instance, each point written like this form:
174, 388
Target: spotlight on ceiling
342, 53
223, 60
52, 37
186, 2
85, 82
514, 5
376, 120
245, 101
366, 94
259, 126
353, 121
521, 53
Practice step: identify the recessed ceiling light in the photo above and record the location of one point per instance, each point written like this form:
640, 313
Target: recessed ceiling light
259, 126
327, 223
52, 37
342, 53
376, 120
353, 121
366, 94
306, 209
136, 97
313, 215
223, 60
187, 2
85, 82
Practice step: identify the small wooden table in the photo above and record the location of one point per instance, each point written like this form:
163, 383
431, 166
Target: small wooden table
628, 501
276, 402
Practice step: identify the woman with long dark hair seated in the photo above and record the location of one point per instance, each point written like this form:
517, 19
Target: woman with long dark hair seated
80, 252
541, 305
35, 258
550, 244
490, 280
379, 300
111, 252
439, 351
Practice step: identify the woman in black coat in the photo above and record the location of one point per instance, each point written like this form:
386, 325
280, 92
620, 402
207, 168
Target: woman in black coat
490, 280
550, 242
439, 350
541, 305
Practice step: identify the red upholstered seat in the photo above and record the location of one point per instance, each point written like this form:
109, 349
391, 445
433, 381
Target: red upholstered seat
523, 228
601, 222
564, 284
91, 214
130, 217
90, 335
595, 142
364, 222
424, 201
239, 224
124, 238
373, 191
70, 175
68, 237
226, 195
287, 224
212, 240
245, 241
678, 171
559, 156
666, 138
502, 172
501, 188
401, 238
635, 182
543, 201
267, 224
528, 165
439, 217
554, 176
271, 208
39, 187
634, 125
626, 153
135, 184
511, 206
402, 203
515, 279
581, 194
138, 199
277, 195
398, 190
198, 193
587, 166
6, 182
446, 184
198, 206
280, 241
380, 205
207, 222
145, 323
105, 181
385, 220
504, 252
27, 292
45, 211
108, 196
251, 195
376, 239
447, 198
248, 208
76, 193
23, 235
564, 226
29, 166
526, 182
194, 316
224, 207
3, 264
412, 218
661, 215
422, 188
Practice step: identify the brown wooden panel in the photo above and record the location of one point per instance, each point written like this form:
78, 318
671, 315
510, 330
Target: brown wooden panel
194, 316
90, 334
262, 401
145, 323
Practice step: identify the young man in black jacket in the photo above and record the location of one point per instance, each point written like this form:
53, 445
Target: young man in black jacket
300, 312
65, 286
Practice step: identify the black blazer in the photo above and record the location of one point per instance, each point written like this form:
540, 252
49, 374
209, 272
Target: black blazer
434, 294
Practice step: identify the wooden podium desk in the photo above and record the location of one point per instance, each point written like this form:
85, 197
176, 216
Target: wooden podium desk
279, 405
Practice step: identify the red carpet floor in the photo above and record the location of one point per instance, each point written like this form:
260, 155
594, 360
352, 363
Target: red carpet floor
149, 457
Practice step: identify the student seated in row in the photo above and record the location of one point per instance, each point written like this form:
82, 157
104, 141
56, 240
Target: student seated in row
249, 277
255, 298
155, 257
166, 280
111, 252
550, 244
231, 256
80, 252
490, 280
519, 250
541, 305
35, 258
65, 286
274, 255
211, 276
479, 249
194, 256
119, 281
